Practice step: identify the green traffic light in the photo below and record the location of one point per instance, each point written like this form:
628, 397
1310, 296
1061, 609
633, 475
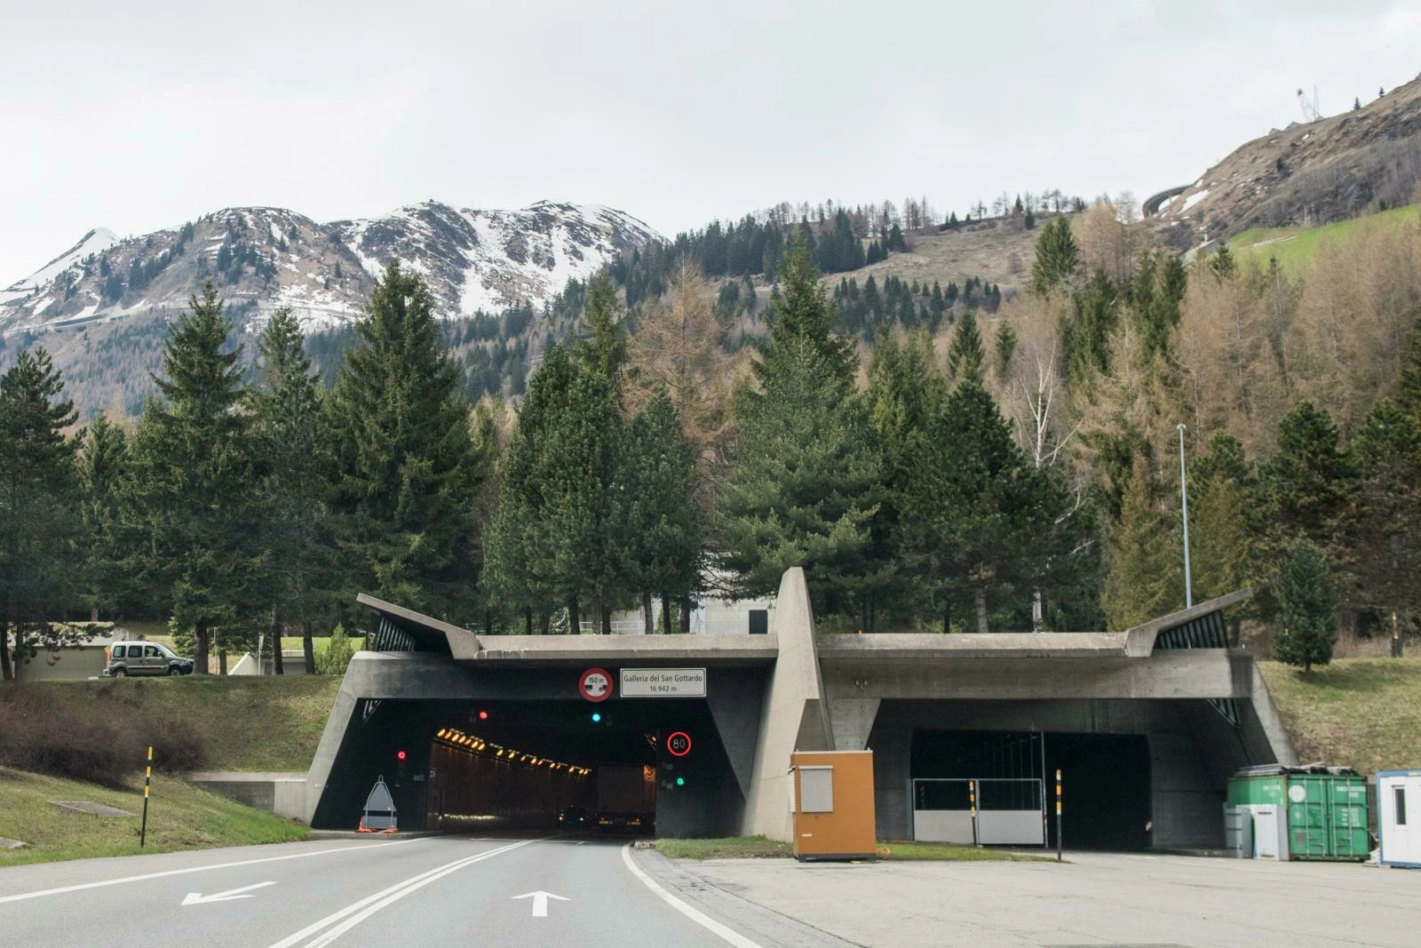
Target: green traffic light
680, 781
596, 717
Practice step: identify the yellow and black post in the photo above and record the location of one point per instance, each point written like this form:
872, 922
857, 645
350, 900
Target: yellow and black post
147, 782
1058, 815
972, 800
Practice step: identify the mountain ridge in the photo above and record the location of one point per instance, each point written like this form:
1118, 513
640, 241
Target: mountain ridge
262, 258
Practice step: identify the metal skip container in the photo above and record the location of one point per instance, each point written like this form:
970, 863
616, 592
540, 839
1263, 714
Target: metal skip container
1310, 812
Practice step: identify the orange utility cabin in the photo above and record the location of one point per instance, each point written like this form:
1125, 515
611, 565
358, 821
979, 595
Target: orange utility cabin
831, 802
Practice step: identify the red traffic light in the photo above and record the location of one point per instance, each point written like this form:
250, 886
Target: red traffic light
483, 715
400, 755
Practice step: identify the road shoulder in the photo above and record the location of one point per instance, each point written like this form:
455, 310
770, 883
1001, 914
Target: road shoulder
760, 924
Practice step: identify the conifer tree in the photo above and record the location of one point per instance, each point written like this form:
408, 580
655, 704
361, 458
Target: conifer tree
965, 355
1385, 535
1409, 384
1145, 578
1057, 256
605, 350
190, 483
1308, 621
102, 466
293, 450
1308, 483
974, 508
803, 485
405, 466
657, 514
38, 524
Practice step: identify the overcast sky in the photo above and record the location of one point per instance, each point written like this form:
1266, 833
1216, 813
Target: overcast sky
140, 116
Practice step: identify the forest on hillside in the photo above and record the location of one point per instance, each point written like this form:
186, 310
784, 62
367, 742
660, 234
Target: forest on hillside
1012, 468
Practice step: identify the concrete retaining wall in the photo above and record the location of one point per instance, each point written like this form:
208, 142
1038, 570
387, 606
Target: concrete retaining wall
282, 794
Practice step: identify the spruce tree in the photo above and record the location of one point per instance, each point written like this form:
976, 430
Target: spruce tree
102, 467
657, 512
1145, 577
1057, 256
965, 355
604, 350
190, 483
1308, 620
405, 466
973, 515
293, 451
1384, 541
1307, 485
557, 539
803, 485
38, 522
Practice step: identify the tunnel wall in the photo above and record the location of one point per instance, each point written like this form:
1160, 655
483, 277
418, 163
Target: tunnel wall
476, 792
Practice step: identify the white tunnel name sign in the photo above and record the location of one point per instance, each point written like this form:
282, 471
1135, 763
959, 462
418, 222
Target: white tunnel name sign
663, 683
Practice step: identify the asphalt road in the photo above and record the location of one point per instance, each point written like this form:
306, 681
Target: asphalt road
429, 891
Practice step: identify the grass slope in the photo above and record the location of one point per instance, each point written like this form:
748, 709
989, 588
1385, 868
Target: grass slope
180, 816
256, 724
1361, 712
1294, 247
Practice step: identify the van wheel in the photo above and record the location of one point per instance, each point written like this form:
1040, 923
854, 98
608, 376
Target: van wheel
172, 670
120, 672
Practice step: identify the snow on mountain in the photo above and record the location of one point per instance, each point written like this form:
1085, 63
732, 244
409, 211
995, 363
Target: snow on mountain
95, 241
263, 258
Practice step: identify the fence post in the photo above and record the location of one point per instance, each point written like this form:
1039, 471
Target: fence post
147, 781
1058, 815
1395, 637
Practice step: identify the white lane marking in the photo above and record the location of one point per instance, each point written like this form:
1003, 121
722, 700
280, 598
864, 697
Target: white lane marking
540, 901
374, 903
197, 898
182, 872
695, 915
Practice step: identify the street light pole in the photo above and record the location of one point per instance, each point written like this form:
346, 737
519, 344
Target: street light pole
1184, 504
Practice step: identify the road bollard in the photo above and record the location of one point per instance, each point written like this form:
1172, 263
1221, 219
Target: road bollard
972, 800
147, 781
1058, 815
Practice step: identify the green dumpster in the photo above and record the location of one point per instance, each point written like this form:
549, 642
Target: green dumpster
1317, 812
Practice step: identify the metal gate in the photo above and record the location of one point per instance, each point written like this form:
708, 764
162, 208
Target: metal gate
1009, 811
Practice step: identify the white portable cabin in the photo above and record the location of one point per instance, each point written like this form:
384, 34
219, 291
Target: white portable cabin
1399, 817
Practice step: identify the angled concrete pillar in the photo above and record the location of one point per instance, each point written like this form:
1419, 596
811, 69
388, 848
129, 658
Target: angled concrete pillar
795, 717
852, 720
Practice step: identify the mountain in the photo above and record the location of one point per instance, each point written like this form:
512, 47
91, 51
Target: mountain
262, 258
1332, 169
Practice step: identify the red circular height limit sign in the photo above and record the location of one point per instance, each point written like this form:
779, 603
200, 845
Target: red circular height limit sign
595, 684
679, 744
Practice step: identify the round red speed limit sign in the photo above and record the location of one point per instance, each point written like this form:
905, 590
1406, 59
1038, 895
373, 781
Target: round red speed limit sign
679, 744
595, 684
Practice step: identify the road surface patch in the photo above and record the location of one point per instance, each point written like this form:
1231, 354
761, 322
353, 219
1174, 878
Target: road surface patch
695, 915
182, 872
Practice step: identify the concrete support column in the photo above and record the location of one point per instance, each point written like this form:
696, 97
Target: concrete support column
852, 720
892, 773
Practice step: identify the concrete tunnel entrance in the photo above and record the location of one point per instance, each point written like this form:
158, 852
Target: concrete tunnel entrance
1107, 785
518, 765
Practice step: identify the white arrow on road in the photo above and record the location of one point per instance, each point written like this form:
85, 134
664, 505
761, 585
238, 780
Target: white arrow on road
197, 898
540, 901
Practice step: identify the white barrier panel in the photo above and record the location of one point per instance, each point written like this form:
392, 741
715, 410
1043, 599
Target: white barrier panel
943, 826
1010, 827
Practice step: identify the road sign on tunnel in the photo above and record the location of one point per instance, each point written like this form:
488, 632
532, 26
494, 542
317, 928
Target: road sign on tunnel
595, 684
679, 744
